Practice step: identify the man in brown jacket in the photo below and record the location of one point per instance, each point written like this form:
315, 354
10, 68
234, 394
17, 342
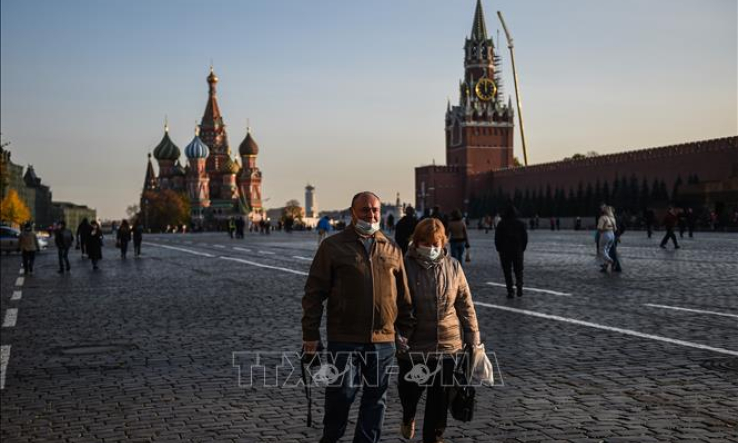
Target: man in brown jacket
362, 275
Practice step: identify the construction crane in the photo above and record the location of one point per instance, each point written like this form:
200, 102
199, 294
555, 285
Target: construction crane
517, 91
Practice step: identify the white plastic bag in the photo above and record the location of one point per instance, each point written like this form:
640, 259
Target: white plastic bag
482, 371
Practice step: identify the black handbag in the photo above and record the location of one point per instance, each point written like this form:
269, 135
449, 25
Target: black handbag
461, 400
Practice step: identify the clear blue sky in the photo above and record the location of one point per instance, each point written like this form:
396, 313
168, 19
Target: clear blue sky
346, 95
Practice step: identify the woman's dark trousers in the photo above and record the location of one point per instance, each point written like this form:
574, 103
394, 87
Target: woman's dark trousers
436, 402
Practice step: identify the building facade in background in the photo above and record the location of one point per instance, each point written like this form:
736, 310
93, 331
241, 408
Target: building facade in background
481, 174
217, 185
36, 195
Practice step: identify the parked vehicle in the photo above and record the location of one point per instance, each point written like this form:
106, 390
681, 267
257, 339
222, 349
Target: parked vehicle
9, 239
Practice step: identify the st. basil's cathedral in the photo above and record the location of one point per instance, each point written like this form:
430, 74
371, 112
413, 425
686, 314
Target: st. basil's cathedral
217, 185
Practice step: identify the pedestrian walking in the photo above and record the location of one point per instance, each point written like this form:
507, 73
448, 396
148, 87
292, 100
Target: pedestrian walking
28, 244
361, 274
83, 235
682, 222
691, 222
390, 223
63, 239
670, 221
649, 217
137, 232
458, 237
231, 227
486, 223
619, 231
94, 244
511, 239
123, 238
405, 228
324, 226
606, 227
445, 316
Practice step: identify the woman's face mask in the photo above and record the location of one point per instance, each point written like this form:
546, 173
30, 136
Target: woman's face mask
430, 252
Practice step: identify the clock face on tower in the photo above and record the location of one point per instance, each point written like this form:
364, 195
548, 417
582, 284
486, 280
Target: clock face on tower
486, 89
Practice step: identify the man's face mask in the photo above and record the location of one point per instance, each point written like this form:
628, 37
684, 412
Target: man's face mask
366, 228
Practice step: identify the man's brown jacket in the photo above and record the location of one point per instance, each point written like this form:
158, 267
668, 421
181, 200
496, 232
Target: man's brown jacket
367, 293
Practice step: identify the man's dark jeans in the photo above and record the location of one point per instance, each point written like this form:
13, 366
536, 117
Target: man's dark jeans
366, 365
512, 262
63, 258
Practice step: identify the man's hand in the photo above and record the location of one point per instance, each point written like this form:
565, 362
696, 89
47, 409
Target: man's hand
310, 347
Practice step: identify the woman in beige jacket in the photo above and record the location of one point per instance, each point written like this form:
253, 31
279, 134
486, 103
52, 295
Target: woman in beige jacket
446, 319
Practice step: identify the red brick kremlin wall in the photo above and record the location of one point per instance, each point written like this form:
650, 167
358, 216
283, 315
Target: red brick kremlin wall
710, 159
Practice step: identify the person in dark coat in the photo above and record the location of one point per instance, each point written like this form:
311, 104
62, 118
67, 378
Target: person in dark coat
405, 228
511, 239
650, 218
670, 221
83, 235
691, 221
63, 239
123, 238
94, 244
137, 237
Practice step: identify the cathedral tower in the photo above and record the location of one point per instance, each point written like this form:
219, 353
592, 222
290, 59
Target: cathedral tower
198, 188
249, 181
213, 133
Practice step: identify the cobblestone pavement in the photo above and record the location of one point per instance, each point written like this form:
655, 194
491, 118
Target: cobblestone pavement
142, 350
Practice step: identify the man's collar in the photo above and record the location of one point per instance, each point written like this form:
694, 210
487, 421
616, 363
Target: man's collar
351, 235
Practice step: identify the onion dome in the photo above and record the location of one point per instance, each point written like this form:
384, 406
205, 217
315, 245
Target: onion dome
248, 145
166, 149
178, 169
197, 149
212, 78
229, 167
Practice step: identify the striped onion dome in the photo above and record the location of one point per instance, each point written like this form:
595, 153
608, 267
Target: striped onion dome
248, 145
197, 149
166, 149
229, 167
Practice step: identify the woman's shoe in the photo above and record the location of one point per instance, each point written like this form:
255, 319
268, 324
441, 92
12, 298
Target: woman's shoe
408, 430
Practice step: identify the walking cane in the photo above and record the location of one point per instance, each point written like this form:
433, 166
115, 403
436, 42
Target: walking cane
307, 390
309, 360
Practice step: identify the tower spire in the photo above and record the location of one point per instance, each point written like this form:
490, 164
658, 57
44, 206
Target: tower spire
479, 28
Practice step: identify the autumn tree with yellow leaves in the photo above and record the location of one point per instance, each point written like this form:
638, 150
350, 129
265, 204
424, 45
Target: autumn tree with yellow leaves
12, 209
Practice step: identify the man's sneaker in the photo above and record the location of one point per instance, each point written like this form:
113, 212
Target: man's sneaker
677, 247
408, 430
662, 246
520, 292
60, 271
510, 294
